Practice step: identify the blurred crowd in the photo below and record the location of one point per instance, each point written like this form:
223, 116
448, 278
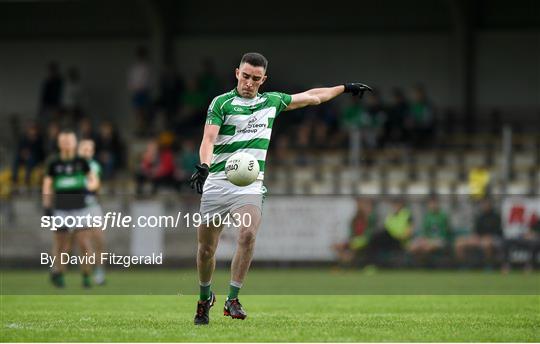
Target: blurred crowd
399, 239
168, 112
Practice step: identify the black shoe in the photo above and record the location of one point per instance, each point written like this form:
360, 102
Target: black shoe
202, 317
57, 279
233, 308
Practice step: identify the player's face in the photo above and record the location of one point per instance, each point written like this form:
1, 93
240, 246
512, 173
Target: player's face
86, 149
250, 78
67, 143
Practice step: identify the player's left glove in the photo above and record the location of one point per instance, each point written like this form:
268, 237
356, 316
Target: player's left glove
356, 88
199, 177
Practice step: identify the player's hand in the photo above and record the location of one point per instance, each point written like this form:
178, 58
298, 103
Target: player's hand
357, 89
199, 177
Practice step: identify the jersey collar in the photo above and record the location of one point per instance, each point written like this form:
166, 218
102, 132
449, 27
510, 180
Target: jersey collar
235, 92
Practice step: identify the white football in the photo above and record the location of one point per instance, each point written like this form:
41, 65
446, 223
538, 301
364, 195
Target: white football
242, 169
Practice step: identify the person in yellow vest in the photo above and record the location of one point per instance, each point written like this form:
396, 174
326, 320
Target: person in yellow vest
398, 229
479, 178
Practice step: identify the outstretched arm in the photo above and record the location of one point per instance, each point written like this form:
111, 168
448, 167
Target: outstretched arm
316, 96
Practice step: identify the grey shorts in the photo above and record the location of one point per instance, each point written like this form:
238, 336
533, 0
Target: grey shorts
221, 197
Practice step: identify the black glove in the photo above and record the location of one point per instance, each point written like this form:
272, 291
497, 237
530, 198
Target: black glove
47, 211
356, 88
199, 177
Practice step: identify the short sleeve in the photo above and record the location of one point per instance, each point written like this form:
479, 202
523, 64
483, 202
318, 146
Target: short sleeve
214, 115
85, 166
49, 170
285, 100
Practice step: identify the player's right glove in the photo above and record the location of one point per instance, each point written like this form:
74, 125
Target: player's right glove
199, 177
356, 88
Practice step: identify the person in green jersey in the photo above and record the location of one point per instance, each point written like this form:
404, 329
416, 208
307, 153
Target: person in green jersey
240, 121
435, 233
67, 179
97, 235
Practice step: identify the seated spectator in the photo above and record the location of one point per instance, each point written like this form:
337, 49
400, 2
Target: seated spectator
208, 80
361, 228
108, 149
479, 180
398, 125
377, 114
29, 153
435, 234
194, 104
423, 117
528, 241
85, 130
487, 234
187, 159
398, 228
156, 167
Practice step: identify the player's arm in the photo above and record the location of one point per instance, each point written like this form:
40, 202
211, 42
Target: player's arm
205, 155
207, 145
47, 192
92, 181
316, 96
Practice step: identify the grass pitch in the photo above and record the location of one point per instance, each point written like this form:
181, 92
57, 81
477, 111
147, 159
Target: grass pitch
87, 316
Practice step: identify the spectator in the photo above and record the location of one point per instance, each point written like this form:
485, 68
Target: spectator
422, 116
528, 241
398, 125
51, 94
193, 106
187, 159
139, 77
156, 167
361, 228
170, 91
357, 119
208, 80
51, 141
398, 227
479, 180
108, 149
72, 100
487, 235
29, 153
85, 130
435, 234
377, 114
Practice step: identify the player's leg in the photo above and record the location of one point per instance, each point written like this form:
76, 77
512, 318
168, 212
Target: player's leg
61, 245
82, 237
247, 233
208, 238
250, 216
98, 243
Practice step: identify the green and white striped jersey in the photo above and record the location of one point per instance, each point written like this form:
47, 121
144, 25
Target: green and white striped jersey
245, 126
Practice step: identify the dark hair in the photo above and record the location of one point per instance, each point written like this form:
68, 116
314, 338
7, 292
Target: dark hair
255, 59
67, 131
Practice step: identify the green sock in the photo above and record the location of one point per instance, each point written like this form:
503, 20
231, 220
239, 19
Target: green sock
204, 292
234, 289
86, 279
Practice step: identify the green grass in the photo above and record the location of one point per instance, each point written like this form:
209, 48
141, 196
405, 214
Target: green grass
286, 282
84, 316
